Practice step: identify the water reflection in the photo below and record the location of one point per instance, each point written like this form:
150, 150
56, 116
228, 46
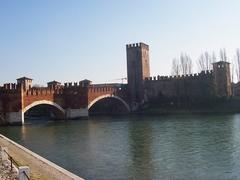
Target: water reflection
167, 147
23, 132
140, 136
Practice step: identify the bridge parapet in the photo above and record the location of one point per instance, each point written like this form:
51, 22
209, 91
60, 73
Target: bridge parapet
80, 84
178, 77
10, 88
103, 89
43, 91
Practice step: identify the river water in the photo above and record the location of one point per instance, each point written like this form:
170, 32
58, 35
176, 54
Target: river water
138, 147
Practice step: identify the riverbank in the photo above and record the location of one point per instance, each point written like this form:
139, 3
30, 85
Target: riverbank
5, 171
229, 106
40, 168
184, 111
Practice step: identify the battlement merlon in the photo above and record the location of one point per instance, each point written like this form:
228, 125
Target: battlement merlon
10, 88
80, 84
178, 77
43, 91
135, 45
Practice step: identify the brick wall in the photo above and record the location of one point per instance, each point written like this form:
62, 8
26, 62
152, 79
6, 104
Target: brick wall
191, 88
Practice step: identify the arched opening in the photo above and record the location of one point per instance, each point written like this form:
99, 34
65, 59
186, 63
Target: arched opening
43, 110
108, 105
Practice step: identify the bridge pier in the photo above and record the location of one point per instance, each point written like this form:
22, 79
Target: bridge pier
14, 118
77, 113
17, 118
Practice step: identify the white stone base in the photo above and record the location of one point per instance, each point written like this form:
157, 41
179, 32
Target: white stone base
76, 113
15, 117
23, 173
3, 154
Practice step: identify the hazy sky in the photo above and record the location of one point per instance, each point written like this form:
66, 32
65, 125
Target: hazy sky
74, 39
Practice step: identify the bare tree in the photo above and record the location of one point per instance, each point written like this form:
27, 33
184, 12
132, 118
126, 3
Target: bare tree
189, 65
183, 65
214, 58
175, 67
186, 65
205, 61
201, 63
208, 60
223, 55
237, 65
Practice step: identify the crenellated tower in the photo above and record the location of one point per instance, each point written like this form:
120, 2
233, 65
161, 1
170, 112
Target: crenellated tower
222, 79
137, 70
25, 82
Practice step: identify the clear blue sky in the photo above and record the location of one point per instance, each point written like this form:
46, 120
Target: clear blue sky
74, 39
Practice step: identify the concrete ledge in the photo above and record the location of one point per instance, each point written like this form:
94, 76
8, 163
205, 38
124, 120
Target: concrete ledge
77, 113
40, 167
15, 118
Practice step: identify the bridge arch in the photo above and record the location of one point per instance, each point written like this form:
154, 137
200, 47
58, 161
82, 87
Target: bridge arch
43, 102
109, 96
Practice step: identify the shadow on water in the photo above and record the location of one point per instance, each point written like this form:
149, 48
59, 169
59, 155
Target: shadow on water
42, 113
108, 106
138, 147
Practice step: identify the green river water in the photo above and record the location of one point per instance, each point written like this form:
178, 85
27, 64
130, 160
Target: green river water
138, 147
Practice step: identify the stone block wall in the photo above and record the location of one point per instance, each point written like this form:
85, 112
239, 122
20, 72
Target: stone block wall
187, 88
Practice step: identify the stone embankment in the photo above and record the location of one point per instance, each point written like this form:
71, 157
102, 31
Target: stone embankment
5, 171
40, 168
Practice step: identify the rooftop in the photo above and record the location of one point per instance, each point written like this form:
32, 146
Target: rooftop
24, 78
54, 82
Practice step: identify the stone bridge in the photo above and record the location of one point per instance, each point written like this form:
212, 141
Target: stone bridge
73, 100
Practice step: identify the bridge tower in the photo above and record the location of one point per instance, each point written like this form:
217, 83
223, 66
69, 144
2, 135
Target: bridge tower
25, 82
222, 79
137, 70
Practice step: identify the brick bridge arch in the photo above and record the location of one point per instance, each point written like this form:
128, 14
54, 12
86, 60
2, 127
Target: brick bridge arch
108, 96
42, 102
71, 100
